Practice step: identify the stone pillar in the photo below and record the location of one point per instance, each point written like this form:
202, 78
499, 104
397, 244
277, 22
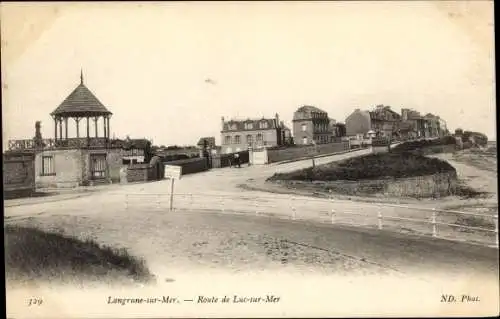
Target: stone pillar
88, 132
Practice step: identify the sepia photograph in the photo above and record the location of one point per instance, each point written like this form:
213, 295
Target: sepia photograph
249, 159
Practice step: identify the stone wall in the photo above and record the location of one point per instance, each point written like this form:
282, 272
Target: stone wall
18, 174
68, 168
436, 185
297, 152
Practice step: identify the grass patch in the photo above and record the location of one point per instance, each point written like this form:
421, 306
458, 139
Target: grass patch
33, 255
373, 166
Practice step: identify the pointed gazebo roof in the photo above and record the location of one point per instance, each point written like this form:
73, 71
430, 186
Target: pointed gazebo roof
81, 103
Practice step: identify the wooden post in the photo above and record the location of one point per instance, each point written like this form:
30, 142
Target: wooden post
172, 194
77, 120
434, 226
105, 128
95, 126
60, 128
379, 219
222, 204
88, 131
55, 129
66, 127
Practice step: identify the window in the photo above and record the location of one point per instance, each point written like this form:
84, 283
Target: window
249, 139
234, 127
48, 166
303, 127
263, 124
248, 126
125, 161
259, 137
237, 139
304, 140
98, 165
227, 140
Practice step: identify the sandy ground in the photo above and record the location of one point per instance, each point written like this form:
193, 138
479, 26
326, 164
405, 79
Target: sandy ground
219, 229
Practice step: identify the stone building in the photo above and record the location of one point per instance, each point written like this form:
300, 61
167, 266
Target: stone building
239, 135
90, 159
311, 125
382, 120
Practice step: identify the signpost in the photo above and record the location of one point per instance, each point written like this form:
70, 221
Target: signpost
172, 172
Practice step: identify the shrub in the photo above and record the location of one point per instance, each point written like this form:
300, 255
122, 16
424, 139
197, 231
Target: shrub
31, 253
372, 166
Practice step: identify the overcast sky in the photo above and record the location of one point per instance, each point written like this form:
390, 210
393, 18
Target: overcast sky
148, 63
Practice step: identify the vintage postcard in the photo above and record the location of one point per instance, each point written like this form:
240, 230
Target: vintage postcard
249, 159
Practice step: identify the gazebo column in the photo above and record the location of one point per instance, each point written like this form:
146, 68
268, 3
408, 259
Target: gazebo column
66, 127
55, 128
109, 135
88, 132
95, 126
77, 121
60, 128
105, 128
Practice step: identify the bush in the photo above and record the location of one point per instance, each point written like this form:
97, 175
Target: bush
33, 254
416, 145
372, 166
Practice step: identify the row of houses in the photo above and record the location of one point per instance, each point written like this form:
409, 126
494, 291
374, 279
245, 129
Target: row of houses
382, 121
312, 125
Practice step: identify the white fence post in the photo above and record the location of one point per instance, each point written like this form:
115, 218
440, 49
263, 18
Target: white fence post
434, 226
379, 217
293, 209
256, 207
222, 203
333, 216
191, 200
126, 202
158, 200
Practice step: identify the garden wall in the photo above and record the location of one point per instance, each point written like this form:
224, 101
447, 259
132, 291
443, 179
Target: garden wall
297, 152
190, 166
436, 185
18, 174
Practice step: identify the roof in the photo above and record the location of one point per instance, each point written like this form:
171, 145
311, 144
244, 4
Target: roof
81, 102
306, 113
310, 108
242, 125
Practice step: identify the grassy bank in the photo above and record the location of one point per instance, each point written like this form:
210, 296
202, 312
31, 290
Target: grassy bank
34, 255
373, 166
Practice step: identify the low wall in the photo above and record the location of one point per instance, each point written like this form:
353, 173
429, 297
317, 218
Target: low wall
143, 172
190, 166
436, 185
18, 175
291, 153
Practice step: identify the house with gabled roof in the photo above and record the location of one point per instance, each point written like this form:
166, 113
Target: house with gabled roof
92, 156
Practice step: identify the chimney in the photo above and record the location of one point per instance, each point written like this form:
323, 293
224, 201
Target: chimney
222, 122
277, 120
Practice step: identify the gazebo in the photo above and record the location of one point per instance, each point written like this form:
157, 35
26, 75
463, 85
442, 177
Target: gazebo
81, 104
